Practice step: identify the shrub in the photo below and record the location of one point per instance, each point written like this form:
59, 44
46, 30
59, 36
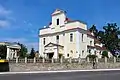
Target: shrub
105, 54
92, 56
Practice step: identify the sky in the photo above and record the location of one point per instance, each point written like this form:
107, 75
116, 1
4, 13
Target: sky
20, 20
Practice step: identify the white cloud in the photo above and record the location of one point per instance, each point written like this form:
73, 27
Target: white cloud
22, 40
4, 23
29, 24
4, 11
7, 19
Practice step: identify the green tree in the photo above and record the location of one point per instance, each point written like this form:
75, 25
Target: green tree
3, 51
23, 51
32, 53
94, 30
105, 54
110, 37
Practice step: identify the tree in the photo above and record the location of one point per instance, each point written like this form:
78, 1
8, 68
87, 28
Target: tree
3, 51
32, 53
23, 51
92, 56
110, 37
105, 54
94, 30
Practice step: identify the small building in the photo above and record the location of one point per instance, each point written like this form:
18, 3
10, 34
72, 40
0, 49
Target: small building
12, 49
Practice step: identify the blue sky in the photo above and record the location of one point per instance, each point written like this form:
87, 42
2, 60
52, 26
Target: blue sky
20, 20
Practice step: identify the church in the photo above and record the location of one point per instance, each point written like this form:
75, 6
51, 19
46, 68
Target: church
64, 37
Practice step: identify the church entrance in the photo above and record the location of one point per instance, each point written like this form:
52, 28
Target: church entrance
50, 55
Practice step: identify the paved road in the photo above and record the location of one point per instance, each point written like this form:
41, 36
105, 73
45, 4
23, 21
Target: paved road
108, 75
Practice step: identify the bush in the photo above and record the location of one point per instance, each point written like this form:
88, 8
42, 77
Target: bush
105, 54
92, 56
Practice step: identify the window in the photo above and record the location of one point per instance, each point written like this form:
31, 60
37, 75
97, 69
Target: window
71, 51
90, 43
79, 55
67, 55
95, 52
63, 34
57, 38
82, 37
82, 52
89, 51
57, 21
71, 37
44, 41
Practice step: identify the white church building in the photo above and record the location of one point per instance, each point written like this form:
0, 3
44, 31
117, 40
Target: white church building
68, 38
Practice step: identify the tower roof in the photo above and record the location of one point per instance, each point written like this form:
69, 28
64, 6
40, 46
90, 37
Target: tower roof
58, 11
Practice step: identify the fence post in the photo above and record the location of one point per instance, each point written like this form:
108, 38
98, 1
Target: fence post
70, 60
52, 60
16, 59
88, 60
97, 59
34, 59
61, 60
114, 59
25, 59
105, 59
43, 60
79, 60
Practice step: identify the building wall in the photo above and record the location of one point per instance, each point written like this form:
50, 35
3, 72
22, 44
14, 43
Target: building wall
89, 39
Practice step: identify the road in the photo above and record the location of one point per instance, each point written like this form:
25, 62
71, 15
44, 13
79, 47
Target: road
107, 75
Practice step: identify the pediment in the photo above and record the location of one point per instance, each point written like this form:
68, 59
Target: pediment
52, 44
49, 45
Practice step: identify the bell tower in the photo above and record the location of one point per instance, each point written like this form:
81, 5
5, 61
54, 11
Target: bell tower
58, 18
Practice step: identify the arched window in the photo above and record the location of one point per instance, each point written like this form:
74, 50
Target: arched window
71, 37
82, 37
57, 21
90, 43
44, 41
57, 38
67, 55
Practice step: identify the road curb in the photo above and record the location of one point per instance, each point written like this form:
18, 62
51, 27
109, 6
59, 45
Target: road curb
61, 71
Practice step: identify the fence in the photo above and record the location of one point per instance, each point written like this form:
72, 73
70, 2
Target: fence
68, 60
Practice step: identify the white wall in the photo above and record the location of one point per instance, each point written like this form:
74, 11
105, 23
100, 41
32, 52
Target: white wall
61, 18
88, 41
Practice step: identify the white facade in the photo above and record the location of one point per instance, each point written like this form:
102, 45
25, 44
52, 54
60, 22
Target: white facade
12, 50
65, 37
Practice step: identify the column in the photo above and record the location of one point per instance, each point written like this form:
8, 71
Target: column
55, 56
12, 53
114, 59
25, 59
61, 59
16, 59
34, 59
8, 53
77, 44
88, 60
105, 59
15, 54
97, 59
